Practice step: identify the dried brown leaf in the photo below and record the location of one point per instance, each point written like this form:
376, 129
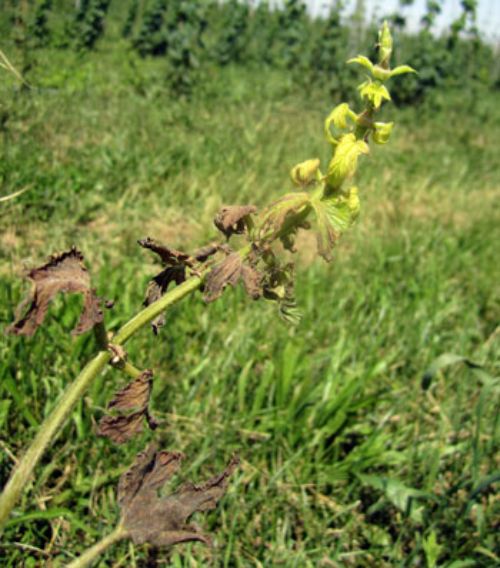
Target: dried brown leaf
252, 281
168, 255
231, 219
163, 521
121, 428
134, 395
64, 272
227, 272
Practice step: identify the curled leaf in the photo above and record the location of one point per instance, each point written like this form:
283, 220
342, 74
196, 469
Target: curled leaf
121, 428
382, 132
278, 286
163, 521
384, 45
401, 70
228, 273
305, 173
176, 263
276, 215
374, 92
345, 160
232, 219
134, 396
62, 273
363, 61
334, 214
338, 118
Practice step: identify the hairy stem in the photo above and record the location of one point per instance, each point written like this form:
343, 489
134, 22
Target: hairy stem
91, 554
53, 423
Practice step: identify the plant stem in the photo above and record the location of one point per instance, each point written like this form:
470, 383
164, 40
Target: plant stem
95, 551
51, 426
53, 423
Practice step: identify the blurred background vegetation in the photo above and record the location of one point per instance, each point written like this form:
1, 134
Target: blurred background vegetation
141, 118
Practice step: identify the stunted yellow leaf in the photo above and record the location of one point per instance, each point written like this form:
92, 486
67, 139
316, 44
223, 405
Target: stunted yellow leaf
374, 92
338, 118
382, 132
305, 173
345, 159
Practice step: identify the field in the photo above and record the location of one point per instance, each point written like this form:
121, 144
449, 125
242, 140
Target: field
346, 460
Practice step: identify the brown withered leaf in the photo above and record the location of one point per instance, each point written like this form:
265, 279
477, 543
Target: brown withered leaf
63, 272
175, 263
169, 256
230, 220
252, 281
228, 273
278, 212
121, 428
134, 396
163, 521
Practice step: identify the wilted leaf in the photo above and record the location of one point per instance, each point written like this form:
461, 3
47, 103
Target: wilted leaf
63, 273
225, 273
169, 256
252, 281
136, 396
163, 521
278, 286
232, 219
176, 263
276, 214
334, 214
121, 428
345, 160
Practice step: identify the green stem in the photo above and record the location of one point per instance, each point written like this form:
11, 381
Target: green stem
88, 557
52, 425
46, 434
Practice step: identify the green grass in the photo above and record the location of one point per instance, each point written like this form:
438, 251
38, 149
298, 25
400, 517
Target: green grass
346, 460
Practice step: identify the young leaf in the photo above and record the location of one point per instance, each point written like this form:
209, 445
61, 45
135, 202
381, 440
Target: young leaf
63, 273
384, 45
232, 219
345, 159
305, 173
401, 70
382, 132
374, 92
362, 60
163, 521
338, 118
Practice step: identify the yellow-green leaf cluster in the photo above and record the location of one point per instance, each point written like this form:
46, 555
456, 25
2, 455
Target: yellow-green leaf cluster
345, 159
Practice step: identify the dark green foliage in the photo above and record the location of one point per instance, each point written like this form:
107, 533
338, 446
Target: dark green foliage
39, 28
328, 56
128, 25
264, 28
151, 39
293, 34
185, 29
233, 37
91, 23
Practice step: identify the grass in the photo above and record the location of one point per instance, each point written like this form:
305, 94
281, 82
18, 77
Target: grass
346, 460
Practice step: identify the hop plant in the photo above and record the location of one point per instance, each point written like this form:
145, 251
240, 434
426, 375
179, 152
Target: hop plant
232, 42
92, 25
325, 201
